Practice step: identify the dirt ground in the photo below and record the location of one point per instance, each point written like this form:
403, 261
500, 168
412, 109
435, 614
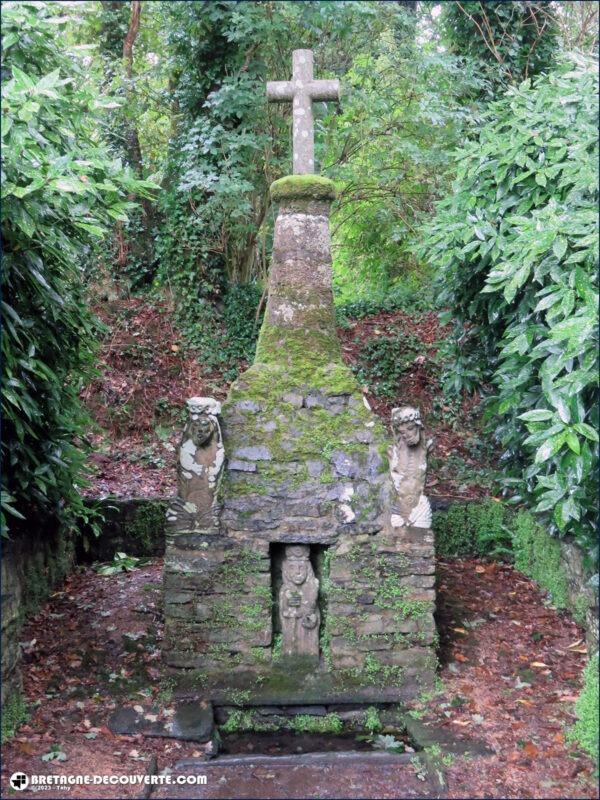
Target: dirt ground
510, 672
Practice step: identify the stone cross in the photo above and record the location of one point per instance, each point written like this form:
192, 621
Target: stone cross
301, 91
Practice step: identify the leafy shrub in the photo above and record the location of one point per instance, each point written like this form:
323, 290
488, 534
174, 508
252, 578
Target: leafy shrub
402, 113
61, 192
121, 563
537, 555
472, 529
411, 293
585, 731
225, 335
516, 247
383, 359
508, 41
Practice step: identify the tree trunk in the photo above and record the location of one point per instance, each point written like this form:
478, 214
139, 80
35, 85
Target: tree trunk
133, 142
142, 249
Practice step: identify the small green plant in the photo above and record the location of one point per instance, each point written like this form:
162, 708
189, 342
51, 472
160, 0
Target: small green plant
120, 563
389, 743
239, 697
14, 714
55, 753
372, 722
384, 359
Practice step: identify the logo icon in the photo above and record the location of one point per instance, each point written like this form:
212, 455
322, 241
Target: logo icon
19, 781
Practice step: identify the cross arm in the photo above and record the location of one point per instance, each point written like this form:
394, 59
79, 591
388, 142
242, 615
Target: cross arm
324, 90
280, 91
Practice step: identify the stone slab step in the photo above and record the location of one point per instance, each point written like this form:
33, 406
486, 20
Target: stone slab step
350, 774
192, 720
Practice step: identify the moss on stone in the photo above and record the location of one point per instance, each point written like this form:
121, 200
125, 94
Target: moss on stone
14, 713
308, 354
303, 187
146, 527
537, 554
585, 731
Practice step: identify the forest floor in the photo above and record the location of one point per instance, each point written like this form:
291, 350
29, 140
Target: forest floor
146, 373
510, 669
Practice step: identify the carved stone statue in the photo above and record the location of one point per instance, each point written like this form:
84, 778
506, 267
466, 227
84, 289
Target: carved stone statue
199, 466
298, 604
408, 468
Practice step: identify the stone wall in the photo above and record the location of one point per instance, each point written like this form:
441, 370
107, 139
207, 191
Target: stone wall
32, 565
582, 597
132, 525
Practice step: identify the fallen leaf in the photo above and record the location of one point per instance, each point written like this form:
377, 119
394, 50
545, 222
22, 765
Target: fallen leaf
460, 630
460, 657
531, 750
461, 722
26, 747
539, 664
480, 569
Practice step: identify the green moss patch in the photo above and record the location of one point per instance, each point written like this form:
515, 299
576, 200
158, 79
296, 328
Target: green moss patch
303, 187
537, 554
586, 730
14, 713
472, 529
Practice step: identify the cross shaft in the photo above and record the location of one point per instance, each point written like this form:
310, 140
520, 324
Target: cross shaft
301, 91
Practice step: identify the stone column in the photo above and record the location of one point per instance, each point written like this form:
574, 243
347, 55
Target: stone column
299, 323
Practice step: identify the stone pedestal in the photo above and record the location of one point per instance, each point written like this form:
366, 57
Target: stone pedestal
306, 464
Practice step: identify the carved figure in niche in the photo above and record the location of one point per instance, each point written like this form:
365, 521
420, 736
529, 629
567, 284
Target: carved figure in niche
408, 468
200, 462
298, 604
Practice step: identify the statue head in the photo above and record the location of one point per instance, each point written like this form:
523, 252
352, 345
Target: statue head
203, 412
407, 424
296, 564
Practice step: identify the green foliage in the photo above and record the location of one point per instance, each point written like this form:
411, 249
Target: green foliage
411, 292
585, 731
147, 528
516, 245
509, 41
224, 335
388, 146
537, 555
14, 713
389, 743
472, 529
383, 360
61, 191
372, 722
121, 563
